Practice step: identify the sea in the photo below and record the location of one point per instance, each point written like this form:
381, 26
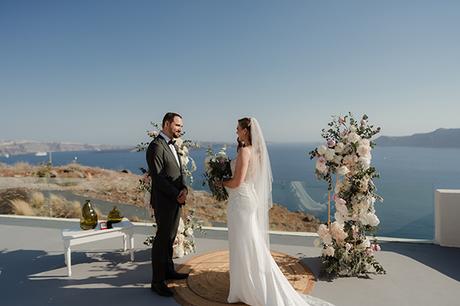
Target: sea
408, 179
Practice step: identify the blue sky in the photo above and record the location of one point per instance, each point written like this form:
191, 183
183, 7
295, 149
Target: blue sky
100, 71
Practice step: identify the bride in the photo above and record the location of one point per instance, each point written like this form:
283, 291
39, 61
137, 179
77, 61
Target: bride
255, 278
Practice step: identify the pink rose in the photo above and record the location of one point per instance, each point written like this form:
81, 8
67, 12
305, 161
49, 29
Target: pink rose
331, 143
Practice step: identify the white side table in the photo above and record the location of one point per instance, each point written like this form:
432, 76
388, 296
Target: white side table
72, 237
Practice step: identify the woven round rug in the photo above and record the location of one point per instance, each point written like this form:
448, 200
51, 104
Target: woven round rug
209, 281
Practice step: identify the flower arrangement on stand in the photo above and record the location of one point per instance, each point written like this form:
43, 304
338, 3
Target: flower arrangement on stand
184, 243
217, 168
347, 251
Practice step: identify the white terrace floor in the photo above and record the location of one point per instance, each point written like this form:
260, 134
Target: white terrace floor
32, 270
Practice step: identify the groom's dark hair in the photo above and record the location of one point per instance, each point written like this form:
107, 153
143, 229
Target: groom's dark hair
169, 117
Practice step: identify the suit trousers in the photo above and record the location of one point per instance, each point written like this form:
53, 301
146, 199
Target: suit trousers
167, 219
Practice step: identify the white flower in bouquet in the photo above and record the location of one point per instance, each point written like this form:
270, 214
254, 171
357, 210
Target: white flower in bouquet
322, 150
352, 128
329, 251
343, 170
321, 165
339, 147
353, 137
330, 154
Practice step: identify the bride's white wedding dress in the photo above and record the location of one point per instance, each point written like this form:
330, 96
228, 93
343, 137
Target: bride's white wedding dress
255, 278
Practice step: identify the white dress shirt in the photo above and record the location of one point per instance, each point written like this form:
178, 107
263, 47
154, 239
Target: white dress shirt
171, 146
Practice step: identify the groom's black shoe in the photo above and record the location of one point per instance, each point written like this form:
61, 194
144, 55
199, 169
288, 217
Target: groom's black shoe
161, 289
176, 275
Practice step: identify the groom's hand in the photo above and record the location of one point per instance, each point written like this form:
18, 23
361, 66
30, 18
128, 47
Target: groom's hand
182, 197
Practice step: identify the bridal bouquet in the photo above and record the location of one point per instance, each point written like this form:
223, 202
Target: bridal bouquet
346, 154
217, 168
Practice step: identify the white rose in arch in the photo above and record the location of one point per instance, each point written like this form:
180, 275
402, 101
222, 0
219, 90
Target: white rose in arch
343, 170
329, 251
337, 159
322, 150
179, 142
365, 162
179, 251
189, 232
372, 219
321, 165
329, 155
364, 151
353, 137
339, 147
181, 227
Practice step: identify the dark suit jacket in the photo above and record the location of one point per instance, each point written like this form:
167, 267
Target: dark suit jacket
167, 176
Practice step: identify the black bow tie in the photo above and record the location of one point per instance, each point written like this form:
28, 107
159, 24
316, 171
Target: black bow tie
172, 141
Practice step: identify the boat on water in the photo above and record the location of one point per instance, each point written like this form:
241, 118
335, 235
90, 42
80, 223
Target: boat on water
40, 154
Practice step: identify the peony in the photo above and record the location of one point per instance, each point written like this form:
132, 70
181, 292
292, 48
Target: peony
339, 147
343, 170
329, 251
329, 155
322, 150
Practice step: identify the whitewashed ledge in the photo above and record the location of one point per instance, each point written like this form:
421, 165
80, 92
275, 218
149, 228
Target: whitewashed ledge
146, 228
447, 214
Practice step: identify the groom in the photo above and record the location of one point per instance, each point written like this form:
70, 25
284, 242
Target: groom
168, 194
